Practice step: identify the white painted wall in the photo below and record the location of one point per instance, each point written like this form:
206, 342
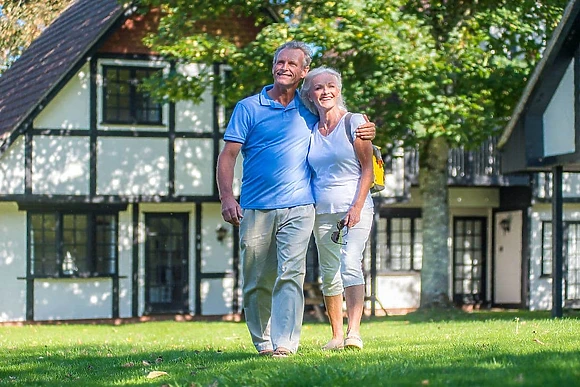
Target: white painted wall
217, 296
559, 133
12, 263
194, 166
399, 291
61, 299
216, 256
69, 109
60, 165
12, 168
190, 117
132, 166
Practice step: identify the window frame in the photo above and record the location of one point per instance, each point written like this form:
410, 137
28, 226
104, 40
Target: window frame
546, 248
135, 110
91, 260
415, 263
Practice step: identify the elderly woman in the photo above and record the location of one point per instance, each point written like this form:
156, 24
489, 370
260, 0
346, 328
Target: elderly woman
342, 174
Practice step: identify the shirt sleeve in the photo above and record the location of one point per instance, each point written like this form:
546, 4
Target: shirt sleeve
356, 120
239, 125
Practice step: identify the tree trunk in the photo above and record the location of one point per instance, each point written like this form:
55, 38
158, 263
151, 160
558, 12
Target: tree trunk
434, 193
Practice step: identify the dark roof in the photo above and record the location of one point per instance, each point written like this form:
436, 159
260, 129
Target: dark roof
51, 57
568, 25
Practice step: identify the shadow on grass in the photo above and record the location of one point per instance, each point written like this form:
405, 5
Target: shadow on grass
68, 365
415, 363
456, 314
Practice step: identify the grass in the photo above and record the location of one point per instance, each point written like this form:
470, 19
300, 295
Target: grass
434, 349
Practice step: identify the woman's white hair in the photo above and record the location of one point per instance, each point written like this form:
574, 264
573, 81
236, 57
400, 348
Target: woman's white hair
307, 86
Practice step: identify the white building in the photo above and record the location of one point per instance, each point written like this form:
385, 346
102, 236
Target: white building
109, 208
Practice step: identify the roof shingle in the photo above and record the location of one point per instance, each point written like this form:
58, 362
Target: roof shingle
51, 57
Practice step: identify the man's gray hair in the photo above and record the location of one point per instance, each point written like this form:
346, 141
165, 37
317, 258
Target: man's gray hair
295, 45
307, 86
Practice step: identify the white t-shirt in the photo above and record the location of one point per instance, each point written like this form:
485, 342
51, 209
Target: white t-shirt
336, 170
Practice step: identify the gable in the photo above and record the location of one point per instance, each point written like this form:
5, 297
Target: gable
543, 131
50, 58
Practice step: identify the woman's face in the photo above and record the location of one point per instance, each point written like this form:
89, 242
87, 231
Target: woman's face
324, 92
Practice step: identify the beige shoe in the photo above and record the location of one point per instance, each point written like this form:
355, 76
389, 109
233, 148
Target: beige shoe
333, 345
353, 342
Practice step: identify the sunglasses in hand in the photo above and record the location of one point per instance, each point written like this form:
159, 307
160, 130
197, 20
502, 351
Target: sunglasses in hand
337, 235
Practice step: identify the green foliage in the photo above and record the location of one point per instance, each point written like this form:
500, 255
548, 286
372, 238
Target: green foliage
433, 74
420, 69
451, 348
23, 21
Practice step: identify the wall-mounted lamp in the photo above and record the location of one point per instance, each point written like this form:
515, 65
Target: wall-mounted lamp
221, 233
506, 224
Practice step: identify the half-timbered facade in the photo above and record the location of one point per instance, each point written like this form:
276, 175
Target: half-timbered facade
108, 203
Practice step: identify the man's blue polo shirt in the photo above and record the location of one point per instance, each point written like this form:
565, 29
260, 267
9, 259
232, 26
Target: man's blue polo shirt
275, 141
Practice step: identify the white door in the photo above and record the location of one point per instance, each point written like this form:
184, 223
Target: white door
507, 268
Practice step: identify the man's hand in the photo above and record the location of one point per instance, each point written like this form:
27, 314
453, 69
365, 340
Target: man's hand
231, 211
366, 131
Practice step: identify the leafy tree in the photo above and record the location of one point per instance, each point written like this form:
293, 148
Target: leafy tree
433, 74
21, 21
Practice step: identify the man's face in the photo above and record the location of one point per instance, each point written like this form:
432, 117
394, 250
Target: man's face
289, 68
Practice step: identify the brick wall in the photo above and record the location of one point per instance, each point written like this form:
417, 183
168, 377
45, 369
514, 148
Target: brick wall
128, 38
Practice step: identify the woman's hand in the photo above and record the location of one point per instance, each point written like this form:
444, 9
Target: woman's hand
352, 216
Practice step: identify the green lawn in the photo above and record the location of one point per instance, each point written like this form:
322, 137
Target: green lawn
452, 348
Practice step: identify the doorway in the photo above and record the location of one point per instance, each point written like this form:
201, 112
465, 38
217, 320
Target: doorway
166, 263
469, 259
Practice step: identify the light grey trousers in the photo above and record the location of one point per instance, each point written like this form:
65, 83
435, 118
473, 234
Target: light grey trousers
273, 246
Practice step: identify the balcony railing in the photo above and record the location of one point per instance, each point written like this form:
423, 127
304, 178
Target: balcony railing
477, 167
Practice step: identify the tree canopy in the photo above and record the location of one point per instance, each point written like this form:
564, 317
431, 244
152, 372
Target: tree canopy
419, 68
22, 21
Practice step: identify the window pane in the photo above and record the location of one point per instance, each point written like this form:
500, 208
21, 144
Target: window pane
547, 248
124, 102
405, 244
106, 243
43, 249
116, 94
75, 249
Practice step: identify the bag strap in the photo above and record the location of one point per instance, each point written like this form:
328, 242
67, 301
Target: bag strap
347, 126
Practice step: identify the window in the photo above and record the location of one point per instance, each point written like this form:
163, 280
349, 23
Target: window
571, 247
123, 102
546, 249
400, 243
573, 261
72, 244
